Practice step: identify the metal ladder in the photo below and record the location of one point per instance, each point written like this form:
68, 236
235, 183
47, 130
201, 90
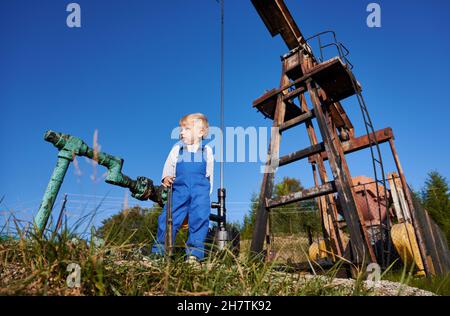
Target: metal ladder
376, 157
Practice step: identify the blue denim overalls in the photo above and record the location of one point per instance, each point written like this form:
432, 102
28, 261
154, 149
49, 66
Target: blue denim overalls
190, 196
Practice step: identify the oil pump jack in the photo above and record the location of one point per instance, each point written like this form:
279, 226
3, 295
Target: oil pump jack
380, 215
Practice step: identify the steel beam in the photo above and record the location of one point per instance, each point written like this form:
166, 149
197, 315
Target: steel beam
302, 195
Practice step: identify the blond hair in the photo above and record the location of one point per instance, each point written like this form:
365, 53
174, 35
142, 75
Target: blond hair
197, 117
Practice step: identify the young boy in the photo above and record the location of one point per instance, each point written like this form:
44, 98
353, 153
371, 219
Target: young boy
189, 170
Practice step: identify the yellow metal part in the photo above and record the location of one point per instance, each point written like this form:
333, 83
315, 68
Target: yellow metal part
405, 242
318, 249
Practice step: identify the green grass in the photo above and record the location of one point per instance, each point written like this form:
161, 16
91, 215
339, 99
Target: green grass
33, 265
38, 266
439, 285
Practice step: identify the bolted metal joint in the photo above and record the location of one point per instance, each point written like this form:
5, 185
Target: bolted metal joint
143, 189
68, 146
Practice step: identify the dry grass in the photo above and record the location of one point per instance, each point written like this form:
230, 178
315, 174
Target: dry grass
32, 265
36, 266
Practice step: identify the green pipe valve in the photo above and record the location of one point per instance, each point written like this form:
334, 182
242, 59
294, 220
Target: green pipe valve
69, 146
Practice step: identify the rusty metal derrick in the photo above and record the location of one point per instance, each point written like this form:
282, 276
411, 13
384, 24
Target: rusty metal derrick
362, 204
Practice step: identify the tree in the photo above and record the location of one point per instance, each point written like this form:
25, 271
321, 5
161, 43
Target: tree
436, 200
249, 219
133, 225
296, 217
288, 219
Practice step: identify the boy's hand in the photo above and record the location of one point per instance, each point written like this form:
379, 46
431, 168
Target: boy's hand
168, 181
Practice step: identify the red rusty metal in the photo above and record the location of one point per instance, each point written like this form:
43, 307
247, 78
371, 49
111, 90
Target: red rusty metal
369, 206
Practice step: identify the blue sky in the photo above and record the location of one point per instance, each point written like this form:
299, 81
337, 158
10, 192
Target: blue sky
135, 67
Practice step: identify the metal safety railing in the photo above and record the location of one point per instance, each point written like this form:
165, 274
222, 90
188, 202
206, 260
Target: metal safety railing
341, 49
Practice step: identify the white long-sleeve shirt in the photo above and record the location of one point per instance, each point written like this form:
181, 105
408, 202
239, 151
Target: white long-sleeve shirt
171, 162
